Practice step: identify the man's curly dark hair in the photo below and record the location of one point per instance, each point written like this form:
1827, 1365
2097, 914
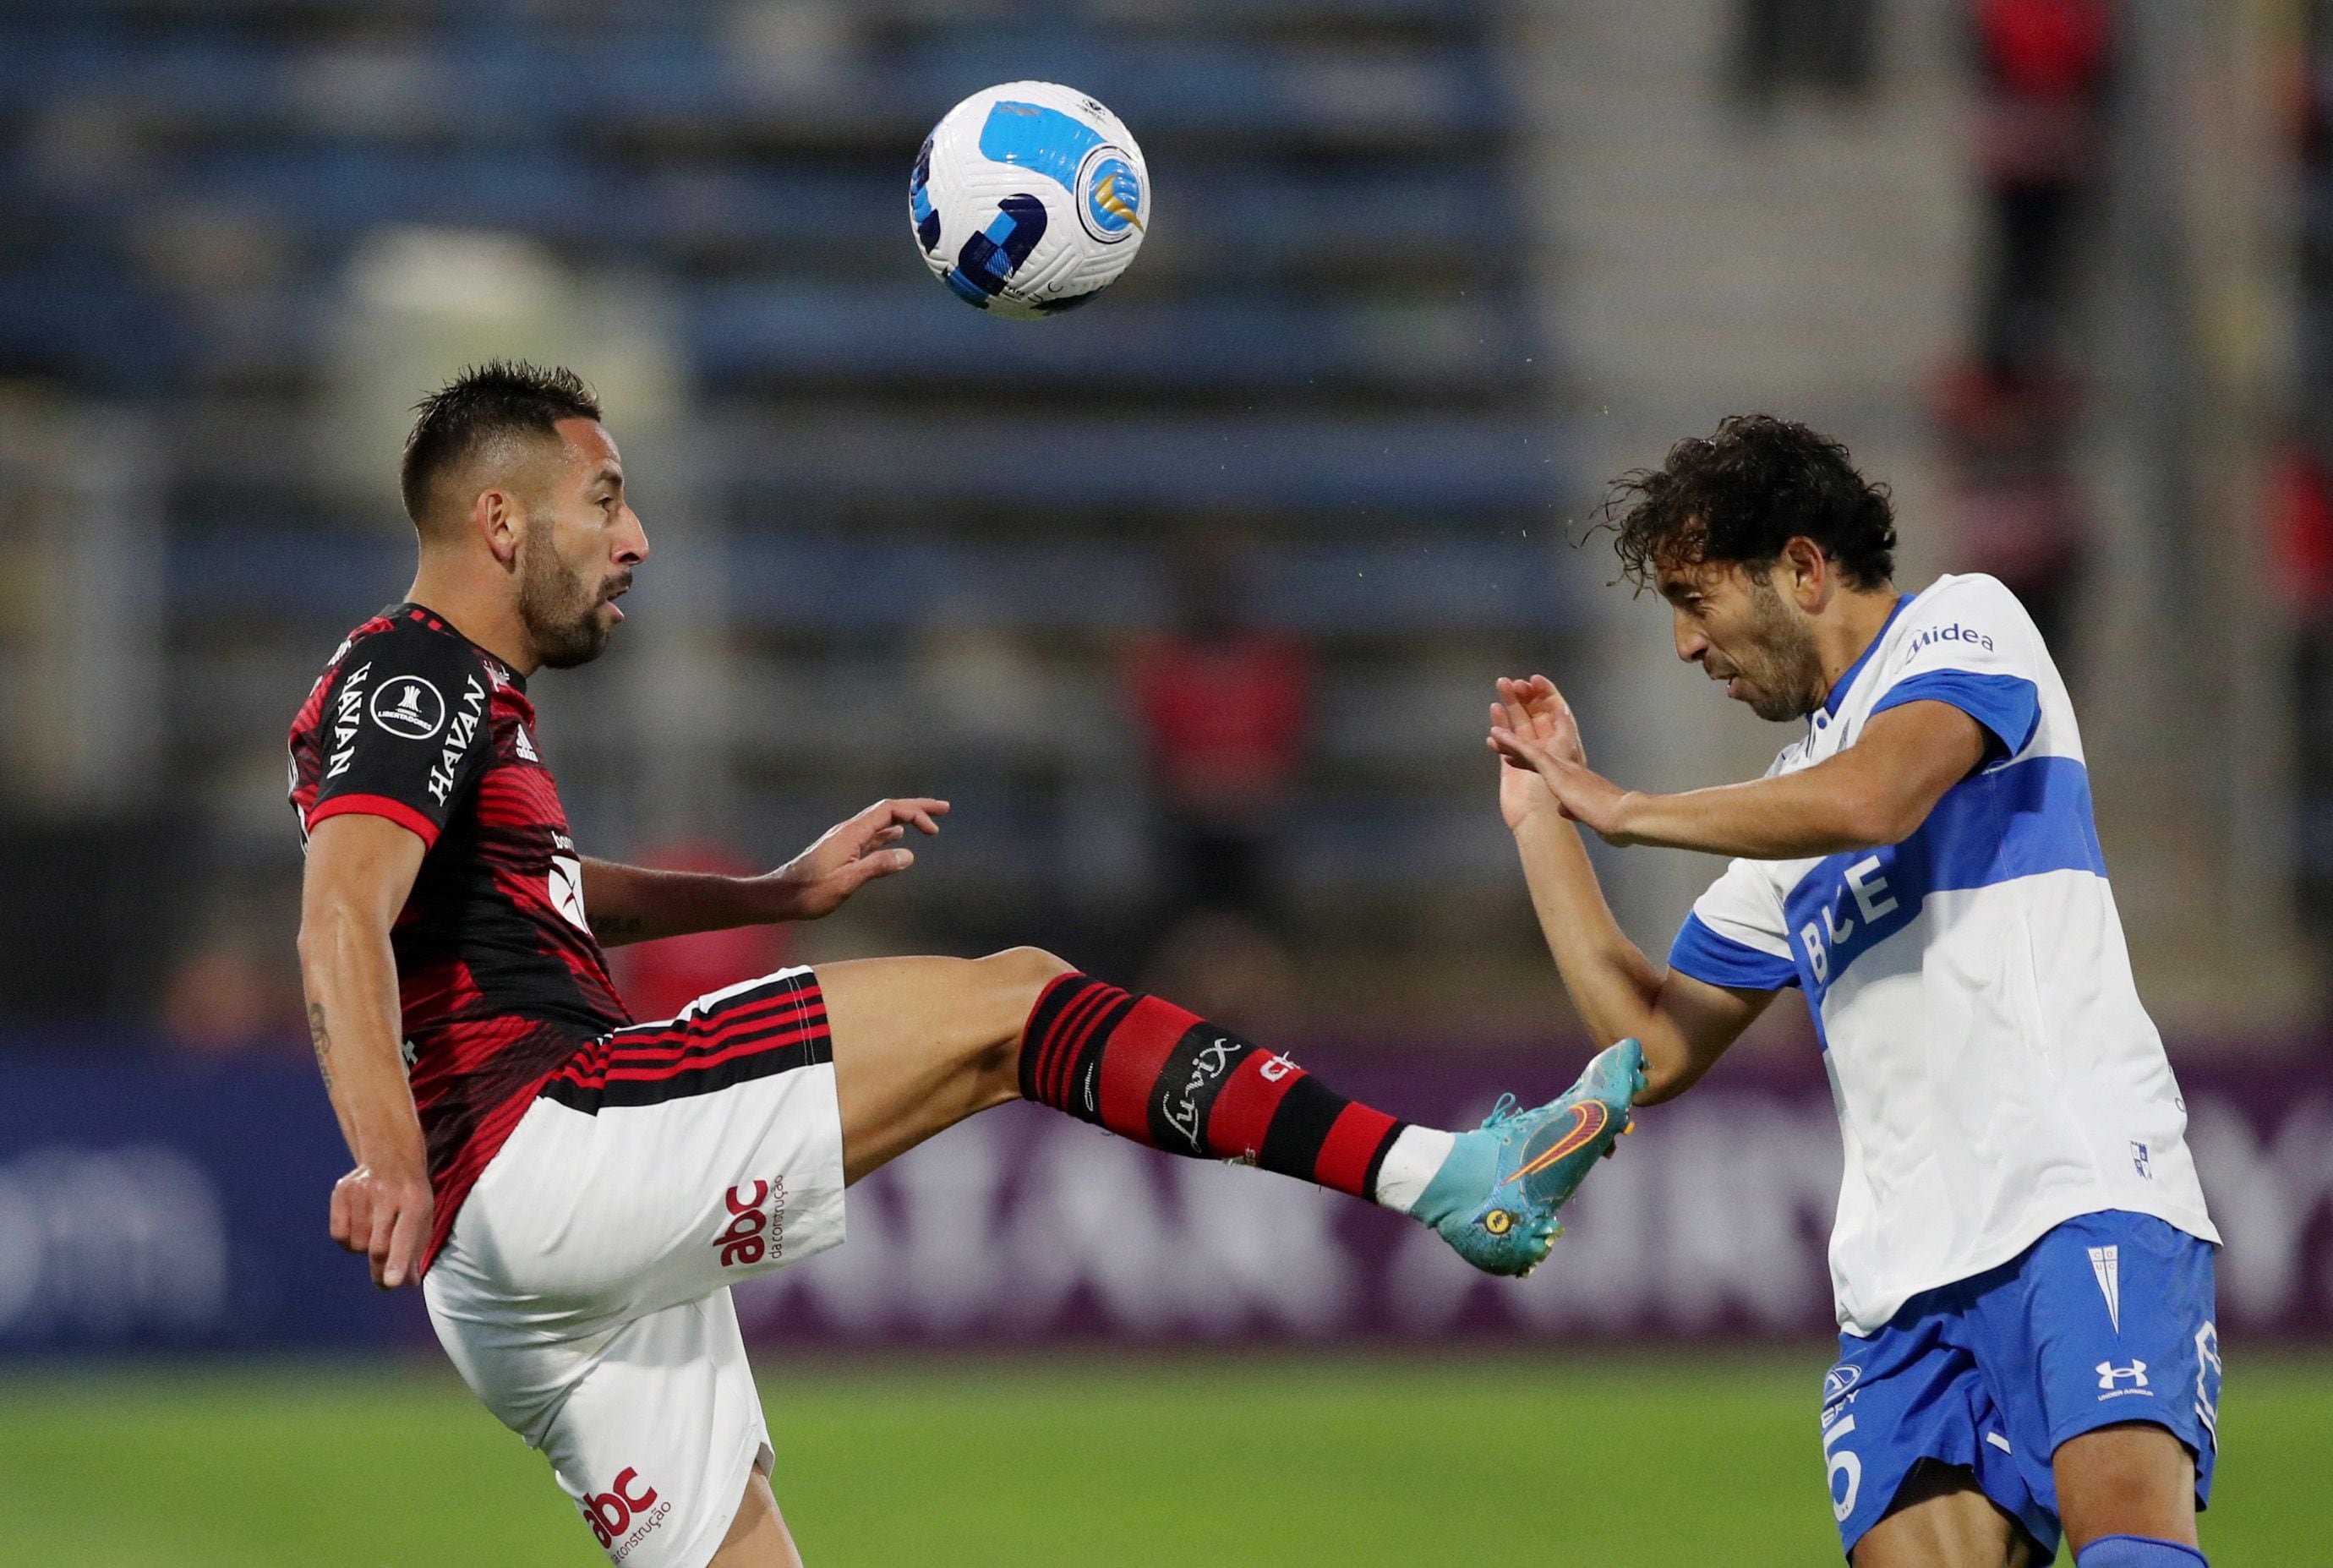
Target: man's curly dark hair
1738, 497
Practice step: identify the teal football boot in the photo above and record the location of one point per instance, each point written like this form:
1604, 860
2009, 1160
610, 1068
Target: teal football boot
1495, 1197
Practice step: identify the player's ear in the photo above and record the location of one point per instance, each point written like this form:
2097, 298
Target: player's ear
499, 518
1811, 578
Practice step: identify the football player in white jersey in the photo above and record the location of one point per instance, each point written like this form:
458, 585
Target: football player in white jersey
2023, 1260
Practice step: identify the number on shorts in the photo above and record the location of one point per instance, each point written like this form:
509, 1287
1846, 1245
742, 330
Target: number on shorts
1843, 1462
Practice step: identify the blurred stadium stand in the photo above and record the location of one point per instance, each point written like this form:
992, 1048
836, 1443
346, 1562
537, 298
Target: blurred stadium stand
1427, 271
1821, 255
1333, 344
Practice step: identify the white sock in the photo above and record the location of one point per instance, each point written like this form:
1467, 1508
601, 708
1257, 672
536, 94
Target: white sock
1411, 1163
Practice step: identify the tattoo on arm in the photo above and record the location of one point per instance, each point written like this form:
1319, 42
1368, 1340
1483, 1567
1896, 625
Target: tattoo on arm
323, 1041
608, 927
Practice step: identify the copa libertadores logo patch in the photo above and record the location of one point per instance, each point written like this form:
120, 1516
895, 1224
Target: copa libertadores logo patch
409, 706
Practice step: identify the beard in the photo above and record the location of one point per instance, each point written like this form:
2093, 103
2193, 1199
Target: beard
1782, 674
559, 608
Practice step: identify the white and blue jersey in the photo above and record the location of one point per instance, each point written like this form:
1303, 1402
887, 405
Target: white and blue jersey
1994, 1070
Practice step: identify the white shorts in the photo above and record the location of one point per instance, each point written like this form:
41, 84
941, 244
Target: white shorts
583, 1293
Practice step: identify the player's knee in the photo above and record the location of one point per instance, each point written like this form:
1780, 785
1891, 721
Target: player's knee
1014, 980
1025, 970
2132, 1477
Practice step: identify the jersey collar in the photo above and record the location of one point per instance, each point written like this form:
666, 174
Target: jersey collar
494, 660
1846, 683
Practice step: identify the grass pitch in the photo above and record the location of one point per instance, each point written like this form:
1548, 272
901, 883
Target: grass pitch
1096, 1462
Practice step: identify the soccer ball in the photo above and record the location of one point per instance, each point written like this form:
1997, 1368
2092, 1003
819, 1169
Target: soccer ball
1029, 199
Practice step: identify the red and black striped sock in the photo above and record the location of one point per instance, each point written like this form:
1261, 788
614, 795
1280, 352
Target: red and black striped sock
1148, 1070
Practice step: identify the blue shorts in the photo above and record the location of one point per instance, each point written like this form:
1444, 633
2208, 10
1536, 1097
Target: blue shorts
2107, 1318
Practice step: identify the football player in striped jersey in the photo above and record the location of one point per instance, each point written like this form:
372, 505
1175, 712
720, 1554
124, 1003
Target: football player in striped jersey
576, 1190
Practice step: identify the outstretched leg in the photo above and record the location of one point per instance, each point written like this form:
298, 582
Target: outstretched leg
921, 1044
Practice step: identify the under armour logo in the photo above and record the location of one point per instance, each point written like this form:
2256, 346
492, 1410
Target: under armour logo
2110, 1373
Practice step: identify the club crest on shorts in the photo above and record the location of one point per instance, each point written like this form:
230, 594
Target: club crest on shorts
2106, 1267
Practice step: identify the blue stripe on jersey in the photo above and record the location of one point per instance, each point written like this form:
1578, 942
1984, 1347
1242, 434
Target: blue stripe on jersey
2008, 706
2018, 821
1699, 951
1846, 682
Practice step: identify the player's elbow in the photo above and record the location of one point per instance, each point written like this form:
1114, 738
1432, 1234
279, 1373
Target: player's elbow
1666, 1061
1667, 1076
1659, 1086
316, 939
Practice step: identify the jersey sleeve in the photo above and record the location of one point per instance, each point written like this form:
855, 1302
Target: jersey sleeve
404, 731
1736, 935
1969, 643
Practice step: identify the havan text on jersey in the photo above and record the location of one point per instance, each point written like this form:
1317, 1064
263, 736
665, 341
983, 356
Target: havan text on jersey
499, 977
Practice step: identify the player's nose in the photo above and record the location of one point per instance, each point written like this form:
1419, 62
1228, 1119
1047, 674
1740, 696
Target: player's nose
1691, 645
632, 546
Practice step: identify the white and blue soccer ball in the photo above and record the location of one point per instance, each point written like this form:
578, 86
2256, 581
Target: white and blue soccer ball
1029, 199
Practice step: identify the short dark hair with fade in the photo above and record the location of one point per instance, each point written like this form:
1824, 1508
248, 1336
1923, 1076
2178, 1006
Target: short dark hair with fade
499, 398
1738, 497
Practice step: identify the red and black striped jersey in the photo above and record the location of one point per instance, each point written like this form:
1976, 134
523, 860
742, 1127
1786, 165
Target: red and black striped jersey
499, 976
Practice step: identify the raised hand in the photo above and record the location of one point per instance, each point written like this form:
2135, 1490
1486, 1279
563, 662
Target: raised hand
1534, 730
851, 854
1533, 708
